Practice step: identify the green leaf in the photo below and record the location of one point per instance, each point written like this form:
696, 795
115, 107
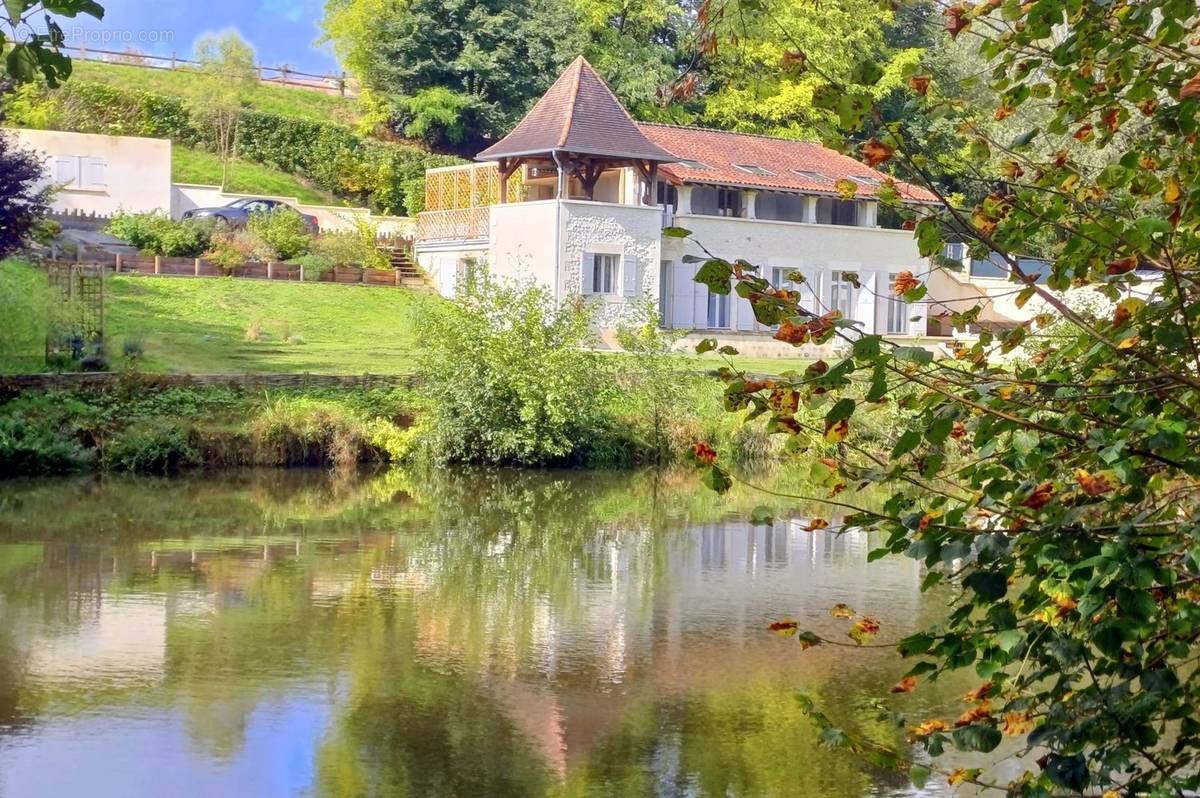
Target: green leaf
977, 738
919, 776
716, 274
676, 232
908, 441
840, 411
1022, 140
915, 354
762, 515
716, 479
706, 345
727, 350
1068, 772
879, 385
866, 72
988, 585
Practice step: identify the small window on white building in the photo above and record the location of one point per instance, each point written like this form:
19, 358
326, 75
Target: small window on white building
718, 311
897, 311
80, 172
729, 202
754, 169
605, 273
842, 295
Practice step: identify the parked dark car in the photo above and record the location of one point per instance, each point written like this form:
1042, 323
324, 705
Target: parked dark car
238, 212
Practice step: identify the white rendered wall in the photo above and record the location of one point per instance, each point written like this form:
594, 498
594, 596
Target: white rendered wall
130, 173
633, 232
812, 249
524, 242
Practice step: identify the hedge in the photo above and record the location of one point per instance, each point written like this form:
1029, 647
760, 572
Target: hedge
332, 156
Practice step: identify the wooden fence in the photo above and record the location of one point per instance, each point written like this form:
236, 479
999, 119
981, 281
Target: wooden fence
106, 381
163, 266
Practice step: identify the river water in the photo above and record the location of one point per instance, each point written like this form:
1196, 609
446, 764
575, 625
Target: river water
471, 634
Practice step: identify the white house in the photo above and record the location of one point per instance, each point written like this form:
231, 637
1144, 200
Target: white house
577, 195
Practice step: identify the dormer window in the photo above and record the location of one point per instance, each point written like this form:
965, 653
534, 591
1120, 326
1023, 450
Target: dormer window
690, 164
754, 169
809, 174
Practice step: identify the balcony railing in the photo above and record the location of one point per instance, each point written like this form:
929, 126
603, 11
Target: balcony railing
457, 224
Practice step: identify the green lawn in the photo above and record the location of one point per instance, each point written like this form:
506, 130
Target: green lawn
196, 166
188, 84
24, 319
200, 325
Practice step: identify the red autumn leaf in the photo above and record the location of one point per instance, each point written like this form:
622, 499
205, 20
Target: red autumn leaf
919, 84
905, 282
1004, 112
905, 685
1092, 485
956, 20
837, 432
864, 629
979, 693
704, 453
787, 627
1112, 119
958, 431
1084, 133
1122, 266
816, 524
875, 152
1191, 88
1040, 496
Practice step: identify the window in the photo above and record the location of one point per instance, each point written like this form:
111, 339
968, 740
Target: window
809, 174
845, 212
690, 164
80, 172
996, 268
729, 202
718, 311
956, 251
605, 269
667, 195
897, 310
754, 169
809, 290
779, 207
865, 180
841, 295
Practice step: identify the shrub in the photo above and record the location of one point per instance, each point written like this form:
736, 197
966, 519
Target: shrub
310, 431
509, 377
33, 449
24, 199
233, 248
314, 265
157, 446
358, 248
283, 231
158, 234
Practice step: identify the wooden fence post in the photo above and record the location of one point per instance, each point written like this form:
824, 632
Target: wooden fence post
157, 264
362, 276
398, 282
270, 269
301, 272
119, 259
196, 268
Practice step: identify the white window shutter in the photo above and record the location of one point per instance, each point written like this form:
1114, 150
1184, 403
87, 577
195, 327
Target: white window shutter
681, 311
865, 301
586, 269
742, 312
918, 318
66, 170
629, 275
810, 292
699, 302
93, 172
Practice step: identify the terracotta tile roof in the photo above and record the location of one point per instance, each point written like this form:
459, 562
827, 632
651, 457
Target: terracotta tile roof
579, 114
713, 156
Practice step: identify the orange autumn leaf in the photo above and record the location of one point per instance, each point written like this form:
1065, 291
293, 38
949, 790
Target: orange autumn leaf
875, 152
956, 20
1173, 191
905, 282
816, 524
1017, 723
927, 728
959, 775
919, 84
1083, 133
958, 431
979, 693
981, 712
905, 685
1092, 485
864, 629
1004, 112
841, 611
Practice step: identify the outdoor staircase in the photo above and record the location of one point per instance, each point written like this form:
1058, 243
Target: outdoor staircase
411, 276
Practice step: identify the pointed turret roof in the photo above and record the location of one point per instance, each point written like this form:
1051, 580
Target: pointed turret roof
578, 115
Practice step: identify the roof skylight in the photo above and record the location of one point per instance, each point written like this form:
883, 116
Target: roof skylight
690, 164
810, 174
754, 169
865, 180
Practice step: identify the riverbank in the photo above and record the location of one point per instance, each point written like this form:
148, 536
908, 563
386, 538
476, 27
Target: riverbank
147, 424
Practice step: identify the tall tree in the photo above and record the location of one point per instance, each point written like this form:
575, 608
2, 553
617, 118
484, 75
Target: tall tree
24, 191
30, 38
227, 62
1055, 493
490, 59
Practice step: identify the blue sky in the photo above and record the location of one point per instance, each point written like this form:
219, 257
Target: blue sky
282, 32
